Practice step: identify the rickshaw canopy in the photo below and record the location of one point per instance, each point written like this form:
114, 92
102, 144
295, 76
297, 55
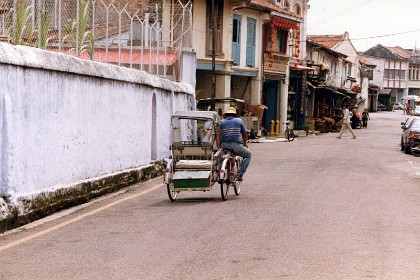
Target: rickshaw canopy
197, 115
197, 128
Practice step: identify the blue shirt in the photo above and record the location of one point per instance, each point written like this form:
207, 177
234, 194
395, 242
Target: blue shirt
231, 129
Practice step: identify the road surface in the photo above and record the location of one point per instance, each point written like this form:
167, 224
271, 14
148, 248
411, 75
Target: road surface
315, 208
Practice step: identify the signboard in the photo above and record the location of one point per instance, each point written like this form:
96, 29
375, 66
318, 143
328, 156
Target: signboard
275, 64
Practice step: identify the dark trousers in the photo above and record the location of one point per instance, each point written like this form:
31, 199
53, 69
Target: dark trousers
364, 122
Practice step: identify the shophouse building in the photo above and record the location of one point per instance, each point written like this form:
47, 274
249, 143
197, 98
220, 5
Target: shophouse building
414, 73
366, 77
332, 82
257, 44
346, 74
391, 75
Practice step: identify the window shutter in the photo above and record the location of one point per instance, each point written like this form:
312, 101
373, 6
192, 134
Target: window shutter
250, 43
236, 40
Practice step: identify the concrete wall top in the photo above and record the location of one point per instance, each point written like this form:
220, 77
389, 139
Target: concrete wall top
38, 58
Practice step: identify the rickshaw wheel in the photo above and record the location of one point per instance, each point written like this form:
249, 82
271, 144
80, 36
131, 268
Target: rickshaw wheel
172, 194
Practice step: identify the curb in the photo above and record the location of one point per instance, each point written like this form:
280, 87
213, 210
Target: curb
28, 209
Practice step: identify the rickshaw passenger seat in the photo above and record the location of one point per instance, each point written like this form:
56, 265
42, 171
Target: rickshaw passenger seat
194, 164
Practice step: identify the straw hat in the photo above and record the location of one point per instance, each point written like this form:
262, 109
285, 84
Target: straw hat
231, 110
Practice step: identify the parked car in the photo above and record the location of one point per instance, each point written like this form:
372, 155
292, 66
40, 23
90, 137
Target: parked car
411, 131
416, 111
380, 107
397, 106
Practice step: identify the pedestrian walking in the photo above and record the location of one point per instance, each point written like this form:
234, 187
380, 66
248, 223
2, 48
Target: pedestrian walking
346, 123
407, 108
365, 117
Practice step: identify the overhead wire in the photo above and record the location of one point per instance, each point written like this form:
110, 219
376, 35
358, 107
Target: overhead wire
386, 35
371, 37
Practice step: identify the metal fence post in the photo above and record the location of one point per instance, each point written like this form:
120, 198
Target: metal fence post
77, 28
59, 25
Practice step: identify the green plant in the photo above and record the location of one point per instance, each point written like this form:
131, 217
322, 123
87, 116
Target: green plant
77, 33
23, 33
23, 16
306, 127
43, 38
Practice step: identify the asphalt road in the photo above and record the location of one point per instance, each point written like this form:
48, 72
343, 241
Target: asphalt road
315, 208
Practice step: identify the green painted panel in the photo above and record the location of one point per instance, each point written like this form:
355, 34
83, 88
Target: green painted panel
191, 179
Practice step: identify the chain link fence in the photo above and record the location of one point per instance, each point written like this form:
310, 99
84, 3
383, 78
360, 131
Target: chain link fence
143, 34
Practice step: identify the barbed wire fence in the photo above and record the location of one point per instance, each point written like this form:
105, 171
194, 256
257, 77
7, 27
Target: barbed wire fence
143, 34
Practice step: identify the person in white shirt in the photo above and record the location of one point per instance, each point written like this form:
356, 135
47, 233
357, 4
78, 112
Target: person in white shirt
346, 123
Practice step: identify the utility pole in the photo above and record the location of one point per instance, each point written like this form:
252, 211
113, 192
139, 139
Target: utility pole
213, 50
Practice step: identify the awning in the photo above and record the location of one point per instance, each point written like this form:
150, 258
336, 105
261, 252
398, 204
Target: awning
349, 78
374, 89
310, 85
331, 89
301, 67
347, 91
385, 91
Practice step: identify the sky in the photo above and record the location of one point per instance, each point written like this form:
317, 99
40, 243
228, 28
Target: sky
369, 22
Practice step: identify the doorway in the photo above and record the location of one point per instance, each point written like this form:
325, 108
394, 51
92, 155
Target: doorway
270, 89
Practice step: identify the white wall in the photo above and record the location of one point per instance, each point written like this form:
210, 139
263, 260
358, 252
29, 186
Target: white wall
60, 124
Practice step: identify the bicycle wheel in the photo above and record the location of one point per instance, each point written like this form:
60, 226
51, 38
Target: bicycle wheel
287, 134
236, 183
291, 135
224, 184
171, 192
415, 148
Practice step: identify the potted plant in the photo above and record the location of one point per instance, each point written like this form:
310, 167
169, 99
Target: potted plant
306, 128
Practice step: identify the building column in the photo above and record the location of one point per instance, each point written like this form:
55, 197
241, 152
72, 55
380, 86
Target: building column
223, 86
365, 92
256, 91
284, 96
404, 93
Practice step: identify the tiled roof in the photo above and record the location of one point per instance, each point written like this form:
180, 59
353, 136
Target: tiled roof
125, 57
400, 51
389, 52
271, 6
328, 41
366, 61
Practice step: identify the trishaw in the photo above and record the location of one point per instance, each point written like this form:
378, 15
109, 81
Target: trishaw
196, 163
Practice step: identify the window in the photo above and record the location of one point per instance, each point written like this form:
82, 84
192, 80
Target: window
392, 74
280, 42
402, 74
286, 4
218, 17
414, 73
250, 43
236, 40
386, 74
296, 9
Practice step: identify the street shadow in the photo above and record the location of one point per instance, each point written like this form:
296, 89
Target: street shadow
192, 201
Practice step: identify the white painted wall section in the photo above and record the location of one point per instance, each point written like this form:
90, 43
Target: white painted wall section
65, 119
